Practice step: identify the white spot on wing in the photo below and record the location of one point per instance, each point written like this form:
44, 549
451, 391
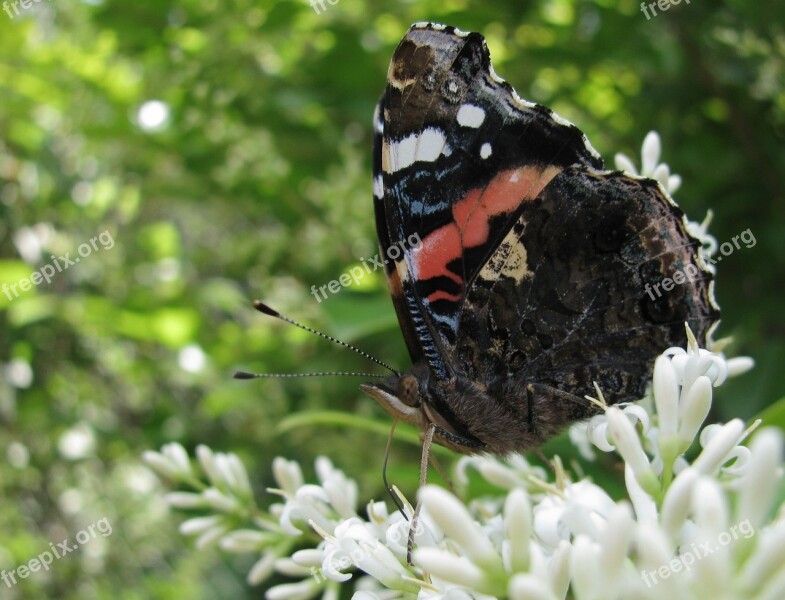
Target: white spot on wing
430, 144
378, 122
485, 150
402, 153
378, 187
470, 115
426, 146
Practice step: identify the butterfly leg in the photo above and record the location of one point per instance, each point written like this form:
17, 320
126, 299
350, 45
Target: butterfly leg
426, 453
396, 500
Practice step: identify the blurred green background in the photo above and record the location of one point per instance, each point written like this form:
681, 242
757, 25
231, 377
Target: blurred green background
226, 148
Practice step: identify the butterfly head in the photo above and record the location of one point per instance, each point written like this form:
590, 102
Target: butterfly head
415, 398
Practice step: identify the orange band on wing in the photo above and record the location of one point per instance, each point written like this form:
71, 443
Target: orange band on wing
471, 221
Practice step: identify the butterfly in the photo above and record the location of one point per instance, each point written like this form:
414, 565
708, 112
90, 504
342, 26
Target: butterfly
529, 282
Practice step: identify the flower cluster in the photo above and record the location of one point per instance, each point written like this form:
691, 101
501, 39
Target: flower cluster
691, 527
697, 517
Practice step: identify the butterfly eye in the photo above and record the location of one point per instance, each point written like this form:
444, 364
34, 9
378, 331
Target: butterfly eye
409, 390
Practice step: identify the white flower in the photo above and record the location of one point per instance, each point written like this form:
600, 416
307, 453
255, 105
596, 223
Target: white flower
650, 166
171, 462
581, 508
355, 544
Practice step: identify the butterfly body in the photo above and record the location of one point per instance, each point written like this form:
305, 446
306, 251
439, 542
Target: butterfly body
529, 283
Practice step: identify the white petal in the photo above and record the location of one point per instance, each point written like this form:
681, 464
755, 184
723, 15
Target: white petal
242, 486
694, 409
455, 569
677, 502
225, 472
286, 566
261, 569
712, 569
160, 464
739, 459
380, 563
674, 183
709, 506
220, 501
310, 557
584, 566
636, 412
644, 505
739, 365
293, 591
758, 487
211, 536
518, 526
767, 559
454, 519
666, 395
245, 540
627, 442
598, 433
716, 452
207, 461
615, 544
559, 569
288, 474
497, 474
579, 437
623, 163
661, 173
199, 525
365, 595
529, 587
650, 153
774, 589
185, 500
654, 552
179, 457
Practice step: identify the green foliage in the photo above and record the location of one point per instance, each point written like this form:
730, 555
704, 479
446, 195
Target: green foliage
258, 185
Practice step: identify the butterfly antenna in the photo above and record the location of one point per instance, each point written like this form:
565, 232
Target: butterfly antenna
247, 375
263, 308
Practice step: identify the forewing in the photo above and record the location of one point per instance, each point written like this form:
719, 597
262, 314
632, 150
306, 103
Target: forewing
456, 153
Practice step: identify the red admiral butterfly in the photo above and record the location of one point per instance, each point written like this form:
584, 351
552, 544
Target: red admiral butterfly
529, 283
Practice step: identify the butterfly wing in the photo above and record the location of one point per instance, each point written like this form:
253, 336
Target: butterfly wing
456, 153
575, 293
